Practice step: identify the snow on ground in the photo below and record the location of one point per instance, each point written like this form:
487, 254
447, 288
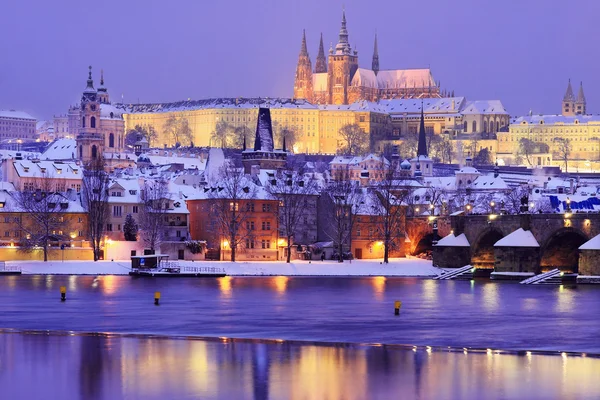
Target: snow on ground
397, 267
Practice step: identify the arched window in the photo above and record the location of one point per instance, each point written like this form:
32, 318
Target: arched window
80, 151
111, 140
93, 122
474, 126
484, 126
497, 126
465, 127
83, 122
94, 151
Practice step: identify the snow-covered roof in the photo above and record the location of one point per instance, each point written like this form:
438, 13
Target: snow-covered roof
51, 169
15, 114
430, 105
398, 78
489, 182
518, 238
108, 111
454, 241
484, 107
468, 170
555, 119
241, 102
592, 244
61, 149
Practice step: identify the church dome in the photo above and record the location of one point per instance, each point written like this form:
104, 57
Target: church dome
108, 111
405, 165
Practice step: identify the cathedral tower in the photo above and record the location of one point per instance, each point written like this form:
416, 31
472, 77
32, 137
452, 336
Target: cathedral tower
580, 104
375, 63
303, 82
343, 63
321, 65
90, 143
568, 103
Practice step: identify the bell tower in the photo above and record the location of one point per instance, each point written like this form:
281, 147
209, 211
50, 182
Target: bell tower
568, 103
343, 63
581, 103
90, 143
303, 88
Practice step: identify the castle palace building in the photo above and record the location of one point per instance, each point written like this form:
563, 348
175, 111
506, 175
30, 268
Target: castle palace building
340, 80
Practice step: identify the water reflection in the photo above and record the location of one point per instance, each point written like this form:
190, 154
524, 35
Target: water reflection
280, 283
490, 296
378, 286
109, 284
125, 367
225, 286
565, 299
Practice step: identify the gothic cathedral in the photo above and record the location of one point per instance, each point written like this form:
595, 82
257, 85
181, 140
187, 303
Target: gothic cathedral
341, 81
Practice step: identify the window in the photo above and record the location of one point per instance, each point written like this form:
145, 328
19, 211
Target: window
266, 226
358, 232
249, 225
80, 233
80, 220
266, 208
109, 227
6, 220
249, 244
83, 122
465, 126
135, 209
94, 151
117, 211
266, 244
474, 126
178, 233
250, 207
116, 194
92, 122
6, 234
233, 206
111, 140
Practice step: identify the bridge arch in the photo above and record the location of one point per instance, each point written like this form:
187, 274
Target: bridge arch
425, 244
561, 250
482, 255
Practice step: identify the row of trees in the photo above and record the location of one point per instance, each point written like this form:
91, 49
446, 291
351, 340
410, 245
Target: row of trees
227, 135
42, 213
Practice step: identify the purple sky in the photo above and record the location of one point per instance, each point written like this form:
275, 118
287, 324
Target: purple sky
519, 51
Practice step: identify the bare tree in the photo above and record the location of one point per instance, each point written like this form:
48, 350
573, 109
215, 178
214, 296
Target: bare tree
356, 141
178, 131
563, 150
154, 206
41, 211
239, 134
408, 146
388, 212
221, 136
347, 201
95, 200
293, 191
231, 206
512, 200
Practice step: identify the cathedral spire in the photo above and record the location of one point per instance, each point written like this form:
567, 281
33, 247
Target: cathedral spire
102, 77
343, 47
569, 94
321, 65
375, 66
303, 49
422, 147
580, 95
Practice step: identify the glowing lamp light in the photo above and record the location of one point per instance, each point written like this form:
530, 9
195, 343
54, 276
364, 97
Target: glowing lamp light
109, 241
468, 207
73, 235
12, 244
492, 217
379, 243
225, 243
531, 205
567, 215
587, 222
281, 242
417, 209
492, 203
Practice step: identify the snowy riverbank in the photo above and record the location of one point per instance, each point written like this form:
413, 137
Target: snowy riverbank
397, 267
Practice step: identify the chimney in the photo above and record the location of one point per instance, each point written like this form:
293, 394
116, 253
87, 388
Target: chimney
453, 104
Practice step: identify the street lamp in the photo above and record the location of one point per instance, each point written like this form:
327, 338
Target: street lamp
492, 206
468, 208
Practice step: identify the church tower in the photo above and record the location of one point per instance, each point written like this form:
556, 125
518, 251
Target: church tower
343, 63
321, 65
568, 103
375, 63
90, 143
580, 104
102, 92
303, 83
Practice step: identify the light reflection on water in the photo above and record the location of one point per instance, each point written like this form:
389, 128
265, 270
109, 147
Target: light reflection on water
95, 368
437, 313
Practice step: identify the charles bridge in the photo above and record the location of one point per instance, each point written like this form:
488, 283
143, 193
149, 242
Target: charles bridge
555, 243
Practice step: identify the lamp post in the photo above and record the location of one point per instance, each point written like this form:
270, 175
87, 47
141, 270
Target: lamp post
493, 206
568, 205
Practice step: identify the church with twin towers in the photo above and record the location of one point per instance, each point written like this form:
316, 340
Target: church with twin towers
338, 79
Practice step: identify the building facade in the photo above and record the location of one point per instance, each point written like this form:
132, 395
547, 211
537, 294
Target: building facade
16, 125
